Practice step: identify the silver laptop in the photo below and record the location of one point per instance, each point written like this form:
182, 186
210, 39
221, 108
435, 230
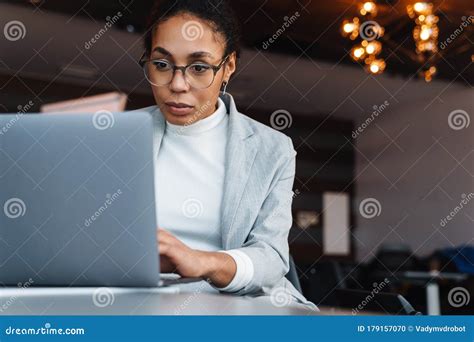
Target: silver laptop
77, 202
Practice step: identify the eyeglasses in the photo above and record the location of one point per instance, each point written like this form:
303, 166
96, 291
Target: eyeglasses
160, 72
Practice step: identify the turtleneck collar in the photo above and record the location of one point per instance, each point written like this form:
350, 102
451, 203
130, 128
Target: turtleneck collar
202, 125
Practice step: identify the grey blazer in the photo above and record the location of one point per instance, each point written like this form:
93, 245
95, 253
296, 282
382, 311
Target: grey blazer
256, 209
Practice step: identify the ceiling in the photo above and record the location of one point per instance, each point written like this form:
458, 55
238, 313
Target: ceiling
51, 64
315, 34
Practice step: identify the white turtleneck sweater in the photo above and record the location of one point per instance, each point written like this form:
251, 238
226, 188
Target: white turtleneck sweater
189, 176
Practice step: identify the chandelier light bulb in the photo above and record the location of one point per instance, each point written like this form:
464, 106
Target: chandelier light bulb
367, 33
376, 66
373, 47
357, 52
428, 74
425, 33
422, 7
350, 28
368, 8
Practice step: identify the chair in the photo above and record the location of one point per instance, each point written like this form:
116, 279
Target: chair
292, 275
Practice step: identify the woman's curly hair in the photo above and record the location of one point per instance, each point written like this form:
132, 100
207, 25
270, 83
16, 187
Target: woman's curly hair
218, 13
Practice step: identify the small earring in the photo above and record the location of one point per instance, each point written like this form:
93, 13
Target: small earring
224, 84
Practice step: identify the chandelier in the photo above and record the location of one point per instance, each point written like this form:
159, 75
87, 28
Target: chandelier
368, 37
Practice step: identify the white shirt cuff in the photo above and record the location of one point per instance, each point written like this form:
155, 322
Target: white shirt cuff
243, 274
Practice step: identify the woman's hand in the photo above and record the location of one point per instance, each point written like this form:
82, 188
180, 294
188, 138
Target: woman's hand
175, 256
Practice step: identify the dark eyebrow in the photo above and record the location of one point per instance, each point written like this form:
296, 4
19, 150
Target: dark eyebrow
162, 50
197, 54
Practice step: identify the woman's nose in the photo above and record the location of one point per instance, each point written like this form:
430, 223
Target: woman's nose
178, 83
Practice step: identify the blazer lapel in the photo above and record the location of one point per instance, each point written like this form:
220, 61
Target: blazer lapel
240, 155
158, 130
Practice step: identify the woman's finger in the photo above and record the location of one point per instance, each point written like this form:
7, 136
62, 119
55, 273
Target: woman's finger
165, 265
165, 239
163, 249
164, 231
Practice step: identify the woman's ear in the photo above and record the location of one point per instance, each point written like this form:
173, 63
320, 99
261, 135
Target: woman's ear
230, 66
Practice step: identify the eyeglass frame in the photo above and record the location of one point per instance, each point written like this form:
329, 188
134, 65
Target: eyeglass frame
183, 68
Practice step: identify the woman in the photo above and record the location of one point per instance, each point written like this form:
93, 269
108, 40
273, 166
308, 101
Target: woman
223, 181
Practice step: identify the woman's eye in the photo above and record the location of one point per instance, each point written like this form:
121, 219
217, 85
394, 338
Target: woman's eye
199, 68
161, 65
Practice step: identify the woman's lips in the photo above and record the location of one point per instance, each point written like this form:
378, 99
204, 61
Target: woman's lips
179, 109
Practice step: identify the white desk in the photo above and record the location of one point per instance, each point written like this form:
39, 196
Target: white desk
127, 301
